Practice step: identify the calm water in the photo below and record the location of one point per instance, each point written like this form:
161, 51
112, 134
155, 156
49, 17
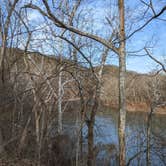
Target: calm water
106, 134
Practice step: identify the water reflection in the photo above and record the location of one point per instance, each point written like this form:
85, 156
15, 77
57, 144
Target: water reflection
106, 137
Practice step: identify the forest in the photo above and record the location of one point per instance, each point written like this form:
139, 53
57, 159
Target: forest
82, 83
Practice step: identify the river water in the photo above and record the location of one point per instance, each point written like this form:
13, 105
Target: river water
106, 137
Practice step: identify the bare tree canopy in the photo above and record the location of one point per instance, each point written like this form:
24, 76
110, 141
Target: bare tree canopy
66, 91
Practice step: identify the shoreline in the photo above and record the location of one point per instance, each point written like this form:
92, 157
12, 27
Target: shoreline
130, 106
138, 107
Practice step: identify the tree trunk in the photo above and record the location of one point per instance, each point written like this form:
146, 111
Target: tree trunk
148, 134
2, 58
60, 89
60, 102
4, 36
90, 124
91, 159
122, 95
1, 142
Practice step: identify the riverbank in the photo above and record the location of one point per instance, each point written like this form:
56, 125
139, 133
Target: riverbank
137, 107
131, 106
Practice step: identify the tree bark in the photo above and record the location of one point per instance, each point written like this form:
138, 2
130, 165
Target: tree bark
122, 95
60, 90
148, 135
1, 142
91, 160
60, 102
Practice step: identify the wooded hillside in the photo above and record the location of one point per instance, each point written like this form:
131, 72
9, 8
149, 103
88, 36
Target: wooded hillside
28, 70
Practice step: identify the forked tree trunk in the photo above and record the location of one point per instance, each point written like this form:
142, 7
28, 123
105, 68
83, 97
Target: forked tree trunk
122, 95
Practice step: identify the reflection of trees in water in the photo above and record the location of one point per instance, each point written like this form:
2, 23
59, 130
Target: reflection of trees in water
138, 147
158, 137
105, 152
136, 137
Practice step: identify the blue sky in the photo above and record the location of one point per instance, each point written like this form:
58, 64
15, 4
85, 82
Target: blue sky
154, 34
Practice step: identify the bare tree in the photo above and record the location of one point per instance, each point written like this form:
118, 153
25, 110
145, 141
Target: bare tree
42, 82
4, 29
118, 50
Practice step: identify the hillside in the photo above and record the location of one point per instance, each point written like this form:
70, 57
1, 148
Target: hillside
140, 89
28, 71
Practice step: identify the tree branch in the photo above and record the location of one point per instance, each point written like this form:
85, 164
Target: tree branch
60, 24
157, 61
147, 22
